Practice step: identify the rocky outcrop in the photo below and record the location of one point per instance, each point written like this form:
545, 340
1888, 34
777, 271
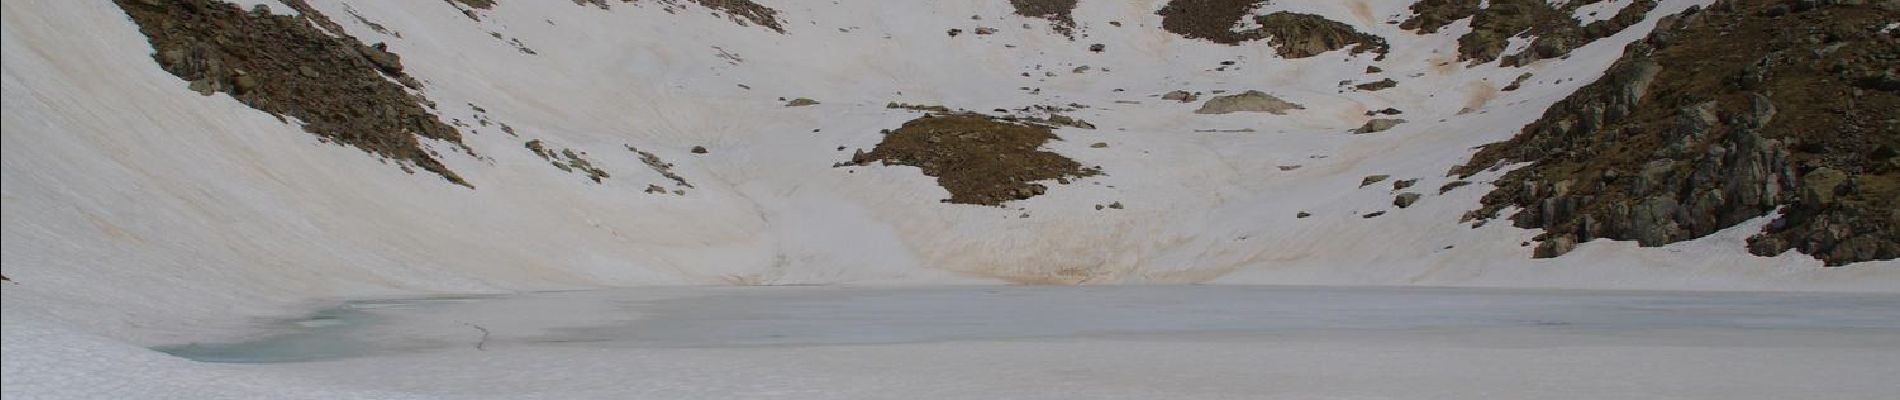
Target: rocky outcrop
1249, 101
1058, 12
1295, 35
977, 158
1430, 15
1211, 20
300, 66
1292, 35
1723, 115
1494, 23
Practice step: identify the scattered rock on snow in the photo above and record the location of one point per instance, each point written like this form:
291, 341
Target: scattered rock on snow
1405, 199
1376, 125
1181, 96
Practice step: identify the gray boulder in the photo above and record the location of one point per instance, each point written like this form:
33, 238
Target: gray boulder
1250, 101
1378, 125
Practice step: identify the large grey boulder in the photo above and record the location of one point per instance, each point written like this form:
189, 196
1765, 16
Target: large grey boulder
1250, 101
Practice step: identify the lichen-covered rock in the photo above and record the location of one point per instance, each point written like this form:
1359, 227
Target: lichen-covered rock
1292, 35
1720, 116
299, 66
1553, 27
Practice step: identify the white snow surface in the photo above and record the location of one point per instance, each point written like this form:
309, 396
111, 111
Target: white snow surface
138, 213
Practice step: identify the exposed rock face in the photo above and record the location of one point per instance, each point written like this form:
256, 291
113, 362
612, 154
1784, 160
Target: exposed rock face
1430, 15
1250, 101
1376, 125
1058, 12
1495, 22
979, 159
1296, 35
1181, 96
801, 102
1720, 116
286, 65
1292, 35
1211, 20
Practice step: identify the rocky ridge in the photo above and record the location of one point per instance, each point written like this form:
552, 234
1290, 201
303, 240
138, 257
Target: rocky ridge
1719, 116
341, 89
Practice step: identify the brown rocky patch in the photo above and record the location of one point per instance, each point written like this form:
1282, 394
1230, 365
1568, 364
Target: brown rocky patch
1430, 15
1211, 20
1058, 12
1292, 35
1719, 116
341, 89
1493, 23
978, 158
1295, 35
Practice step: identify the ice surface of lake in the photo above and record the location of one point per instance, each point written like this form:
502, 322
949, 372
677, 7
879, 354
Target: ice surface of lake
1094, 342
807, 316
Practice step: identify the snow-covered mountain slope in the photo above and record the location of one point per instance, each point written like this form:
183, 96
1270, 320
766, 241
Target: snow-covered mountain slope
138, 210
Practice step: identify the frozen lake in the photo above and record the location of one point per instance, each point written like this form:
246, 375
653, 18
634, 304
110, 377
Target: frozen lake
1131, 342
713, 317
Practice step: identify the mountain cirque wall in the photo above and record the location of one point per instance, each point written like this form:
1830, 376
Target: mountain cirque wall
1292, 35
1723, 115
287, 65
